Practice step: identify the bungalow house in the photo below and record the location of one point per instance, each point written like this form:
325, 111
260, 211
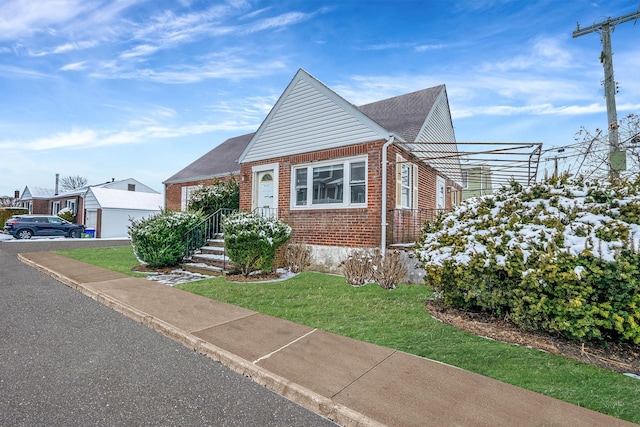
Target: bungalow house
476, 181
219, 163
344, 177
102, 213
36, 199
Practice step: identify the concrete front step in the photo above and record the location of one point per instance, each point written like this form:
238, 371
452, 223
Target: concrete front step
200, 268
212, 259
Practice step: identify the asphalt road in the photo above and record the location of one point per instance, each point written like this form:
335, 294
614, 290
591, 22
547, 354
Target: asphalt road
67, 360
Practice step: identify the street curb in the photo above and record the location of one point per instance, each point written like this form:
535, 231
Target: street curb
304, 397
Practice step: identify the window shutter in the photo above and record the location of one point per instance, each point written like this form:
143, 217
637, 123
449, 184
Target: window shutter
414, 182
399, 161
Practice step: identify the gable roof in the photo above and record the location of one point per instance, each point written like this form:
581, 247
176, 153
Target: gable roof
219, 162
404, 115
109, 198
309, 116
31, 192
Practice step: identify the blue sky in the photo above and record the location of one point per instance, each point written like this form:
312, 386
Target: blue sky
141, 88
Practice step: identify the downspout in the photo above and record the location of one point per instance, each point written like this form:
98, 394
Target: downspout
383, 237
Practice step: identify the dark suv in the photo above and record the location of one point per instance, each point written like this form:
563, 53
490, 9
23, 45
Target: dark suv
27, 226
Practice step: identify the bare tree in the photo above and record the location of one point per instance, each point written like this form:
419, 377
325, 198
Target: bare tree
8, 201
69, 183
596, 157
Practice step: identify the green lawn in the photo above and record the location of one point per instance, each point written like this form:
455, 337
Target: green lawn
397, 319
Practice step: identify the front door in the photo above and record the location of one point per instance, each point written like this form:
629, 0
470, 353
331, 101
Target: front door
265, 197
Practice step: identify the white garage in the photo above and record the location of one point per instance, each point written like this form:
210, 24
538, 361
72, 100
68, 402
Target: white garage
109, 210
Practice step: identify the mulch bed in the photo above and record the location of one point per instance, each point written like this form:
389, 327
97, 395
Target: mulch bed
623, 358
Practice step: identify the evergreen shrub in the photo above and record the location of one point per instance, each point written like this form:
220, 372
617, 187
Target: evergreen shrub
218, 195
251, 240
560, 257
159, 239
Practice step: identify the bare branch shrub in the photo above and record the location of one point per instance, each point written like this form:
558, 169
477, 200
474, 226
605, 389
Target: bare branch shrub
388, 270
297, 257
357, 268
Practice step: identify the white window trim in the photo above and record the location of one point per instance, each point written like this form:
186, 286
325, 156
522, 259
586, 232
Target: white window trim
255, 170
185, 195
413, 185
346, 204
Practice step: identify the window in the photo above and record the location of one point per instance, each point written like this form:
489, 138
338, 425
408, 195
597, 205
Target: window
187, 192
55, 208
465, 179
323, 185
406, 184
71, 205
131, 187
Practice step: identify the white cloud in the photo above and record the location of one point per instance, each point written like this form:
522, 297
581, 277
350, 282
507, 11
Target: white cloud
22, 18
76, 66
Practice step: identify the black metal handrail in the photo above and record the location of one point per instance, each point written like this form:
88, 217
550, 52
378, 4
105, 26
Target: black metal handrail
206, 230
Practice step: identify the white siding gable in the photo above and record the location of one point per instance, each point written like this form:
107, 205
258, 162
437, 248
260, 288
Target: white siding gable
309, 117
438, 128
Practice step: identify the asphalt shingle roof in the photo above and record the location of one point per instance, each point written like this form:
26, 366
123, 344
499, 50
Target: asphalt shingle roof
404, 114
219, 162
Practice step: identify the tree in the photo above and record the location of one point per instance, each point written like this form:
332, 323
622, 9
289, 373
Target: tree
69, 183
594, 147
8, 201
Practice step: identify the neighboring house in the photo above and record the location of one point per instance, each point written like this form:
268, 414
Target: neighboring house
36, 200
109, 210
108, 217
345, 177
219, 163
476, 181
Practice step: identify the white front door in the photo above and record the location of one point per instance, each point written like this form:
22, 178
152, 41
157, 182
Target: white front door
265, 193
440, 193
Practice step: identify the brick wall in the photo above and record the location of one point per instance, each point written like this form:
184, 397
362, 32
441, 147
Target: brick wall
350, 227
173, 192
347, 227
41, 207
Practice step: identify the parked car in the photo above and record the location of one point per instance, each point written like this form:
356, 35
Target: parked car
27, 226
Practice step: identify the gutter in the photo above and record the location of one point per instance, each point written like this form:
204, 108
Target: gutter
383, 237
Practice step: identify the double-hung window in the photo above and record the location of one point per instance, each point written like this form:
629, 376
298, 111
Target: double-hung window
338, 183
71, 205
185, 197
406, 184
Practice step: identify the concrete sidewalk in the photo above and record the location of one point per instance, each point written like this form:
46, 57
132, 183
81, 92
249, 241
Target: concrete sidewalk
351, 382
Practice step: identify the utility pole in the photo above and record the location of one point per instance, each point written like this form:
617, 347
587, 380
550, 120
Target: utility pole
605, 28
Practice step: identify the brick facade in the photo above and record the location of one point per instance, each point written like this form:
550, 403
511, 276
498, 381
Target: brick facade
345, 227
173, 192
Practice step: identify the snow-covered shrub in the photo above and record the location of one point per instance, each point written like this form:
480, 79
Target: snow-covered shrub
158, 240
219, 194
251, 240
67, 215
561, 256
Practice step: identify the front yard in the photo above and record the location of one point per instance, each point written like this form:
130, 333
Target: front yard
397, 319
